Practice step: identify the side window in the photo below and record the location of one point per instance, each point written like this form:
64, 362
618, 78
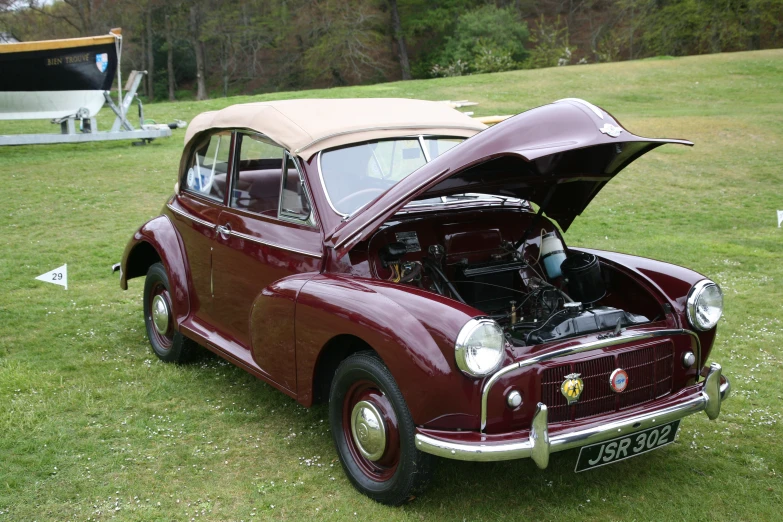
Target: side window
259, 174
209, 167
294, 202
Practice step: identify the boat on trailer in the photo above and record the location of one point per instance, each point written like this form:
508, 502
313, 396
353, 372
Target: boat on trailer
53, 79
69, 80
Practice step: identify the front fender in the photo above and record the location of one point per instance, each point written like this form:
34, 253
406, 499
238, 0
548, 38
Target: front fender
673, 282
158, 240
412, 330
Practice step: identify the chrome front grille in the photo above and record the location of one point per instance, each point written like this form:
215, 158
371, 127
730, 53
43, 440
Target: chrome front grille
649, 371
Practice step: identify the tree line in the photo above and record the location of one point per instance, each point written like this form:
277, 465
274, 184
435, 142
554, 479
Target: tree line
203, 48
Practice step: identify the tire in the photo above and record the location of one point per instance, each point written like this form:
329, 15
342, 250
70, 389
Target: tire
397, 472
169, 345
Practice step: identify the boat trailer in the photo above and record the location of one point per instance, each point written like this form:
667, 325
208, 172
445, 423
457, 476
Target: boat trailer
121, 129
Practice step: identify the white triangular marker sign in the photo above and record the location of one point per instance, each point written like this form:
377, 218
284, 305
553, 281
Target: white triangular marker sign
780, 217
58, 276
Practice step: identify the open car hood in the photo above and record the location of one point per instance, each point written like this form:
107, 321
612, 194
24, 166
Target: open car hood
558, 156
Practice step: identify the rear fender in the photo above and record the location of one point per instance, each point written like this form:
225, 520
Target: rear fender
412, 330
158, 240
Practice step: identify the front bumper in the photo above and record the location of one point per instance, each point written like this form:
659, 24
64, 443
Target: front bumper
539, 443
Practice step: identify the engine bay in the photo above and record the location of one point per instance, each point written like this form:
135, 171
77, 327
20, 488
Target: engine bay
515, 271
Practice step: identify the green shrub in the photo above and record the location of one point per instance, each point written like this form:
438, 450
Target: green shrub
486, 39
492, 59
457, 68
552, 47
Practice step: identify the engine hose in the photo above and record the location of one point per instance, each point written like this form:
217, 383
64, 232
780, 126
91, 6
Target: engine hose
413, 274
437, 286
435, 268
552, 316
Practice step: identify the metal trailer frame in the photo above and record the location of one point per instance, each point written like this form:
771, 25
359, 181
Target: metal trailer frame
122, 129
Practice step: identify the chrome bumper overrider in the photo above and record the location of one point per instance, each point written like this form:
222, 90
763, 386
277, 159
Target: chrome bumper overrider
540, 444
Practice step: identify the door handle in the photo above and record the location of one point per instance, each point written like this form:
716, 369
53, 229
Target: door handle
224, 231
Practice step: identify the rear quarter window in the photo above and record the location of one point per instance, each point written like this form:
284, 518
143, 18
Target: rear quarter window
207, 172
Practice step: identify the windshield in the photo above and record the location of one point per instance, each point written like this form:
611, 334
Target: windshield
355, 175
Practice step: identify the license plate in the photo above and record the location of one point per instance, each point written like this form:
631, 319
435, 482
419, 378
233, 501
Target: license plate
622, 448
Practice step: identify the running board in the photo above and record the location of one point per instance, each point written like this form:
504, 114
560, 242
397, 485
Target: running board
229, 350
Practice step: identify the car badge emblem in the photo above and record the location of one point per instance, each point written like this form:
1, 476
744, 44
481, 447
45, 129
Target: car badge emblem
572, 387
611, 130
618, 380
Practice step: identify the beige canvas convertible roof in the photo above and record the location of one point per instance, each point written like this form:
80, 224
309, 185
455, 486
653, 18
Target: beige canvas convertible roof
307, 126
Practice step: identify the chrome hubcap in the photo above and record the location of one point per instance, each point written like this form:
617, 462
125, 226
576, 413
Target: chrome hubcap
368, 430
160, 314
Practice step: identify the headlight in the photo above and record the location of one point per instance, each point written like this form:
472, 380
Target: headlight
705, 305
479, 347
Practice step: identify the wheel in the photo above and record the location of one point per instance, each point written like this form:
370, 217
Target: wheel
167, 343
373, 432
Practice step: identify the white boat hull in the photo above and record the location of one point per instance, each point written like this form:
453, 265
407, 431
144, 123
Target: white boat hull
45, 105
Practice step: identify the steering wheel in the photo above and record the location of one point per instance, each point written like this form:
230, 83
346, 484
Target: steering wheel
362, 192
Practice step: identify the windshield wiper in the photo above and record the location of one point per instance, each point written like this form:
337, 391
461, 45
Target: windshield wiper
459, 196
474, 196
446, 200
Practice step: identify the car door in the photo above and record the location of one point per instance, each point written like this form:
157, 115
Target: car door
265, 236
195, 211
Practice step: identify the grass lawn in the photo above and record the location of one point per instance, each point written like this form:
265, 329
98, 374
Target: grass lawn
93, 427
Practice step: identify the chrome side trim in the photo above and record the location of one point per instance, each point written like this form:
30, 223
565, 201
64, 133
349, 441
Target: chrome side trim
274, 245
191, 217
245, 236
540, 444
626, 337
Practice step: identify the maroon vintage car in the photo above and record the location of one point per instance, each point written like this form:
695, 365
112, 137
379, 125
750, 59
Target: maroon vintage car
405, 263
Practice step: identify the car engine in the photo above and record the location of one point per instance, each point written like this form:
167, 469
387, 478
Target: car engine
554, 294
